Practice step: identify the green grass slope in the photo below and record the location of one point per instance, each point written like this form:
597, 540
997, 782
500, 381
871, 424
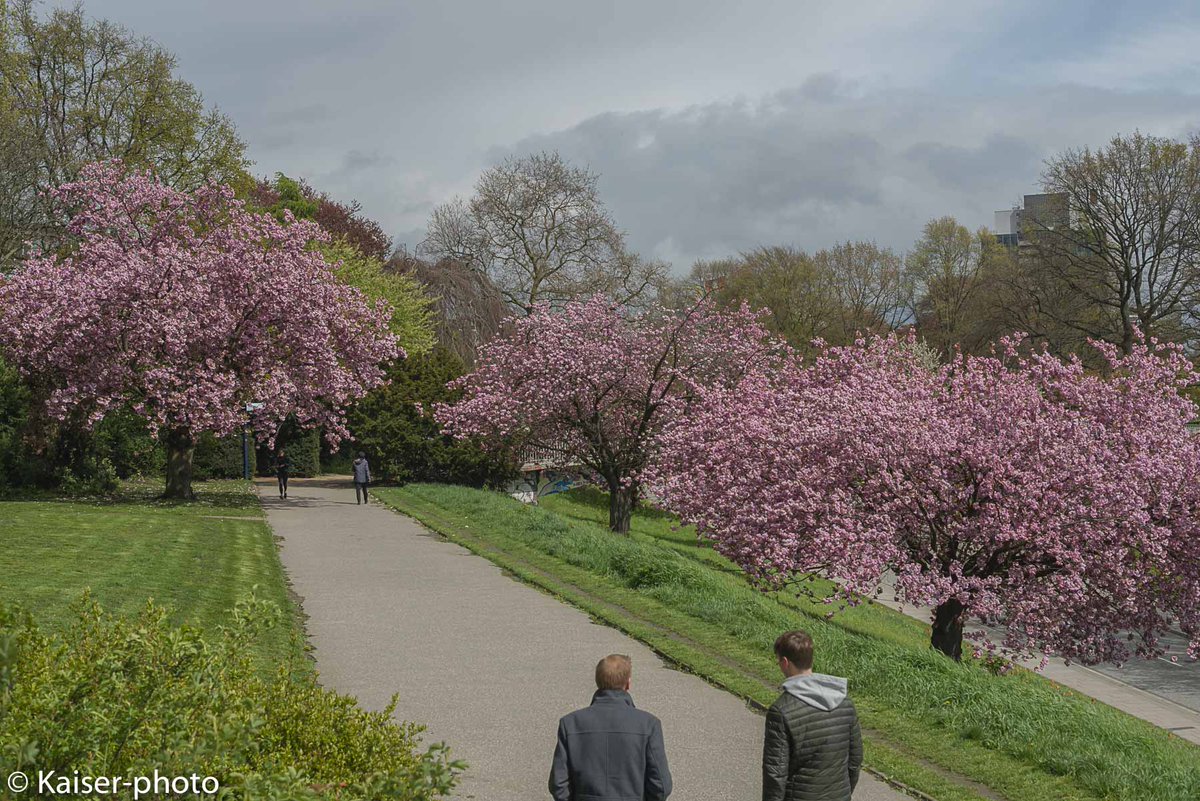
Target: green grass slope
952, 731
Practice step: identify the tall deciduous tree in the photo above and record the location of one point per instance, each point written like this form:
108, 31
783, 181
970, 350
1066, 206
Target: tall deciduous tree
946, 271
870, 288
1127, 241
1023, 491
344, 221
467, 308
834, 294
536, 227
598, 385
185, 307
788, 285
77, 90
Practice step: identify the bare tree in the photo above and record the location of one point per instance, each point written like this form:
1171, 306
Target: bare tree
468, 310
537, 229
1128, 243
870, 286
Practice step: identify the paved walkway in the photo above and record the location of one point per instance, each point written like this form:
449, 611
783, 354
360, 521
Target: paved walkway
488, 663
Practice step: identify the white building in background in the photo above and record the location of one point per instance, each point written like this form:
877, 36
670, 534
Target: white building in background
1047, 210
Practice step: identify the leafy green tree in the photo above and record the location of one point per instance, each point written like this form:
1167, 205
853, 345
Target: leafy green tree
412, 320
834, 294
356, 248
342, 220
394, 425
958, 281
78, 90
303, 446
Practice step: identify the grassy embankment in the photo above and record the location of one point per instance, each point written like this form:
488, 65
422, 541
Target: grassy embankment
955, 732
197, 559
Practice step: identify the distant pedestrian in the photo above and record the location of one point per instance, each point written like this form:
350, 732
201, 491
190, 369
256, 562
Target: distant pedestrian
610, 751
813, 748
362, 477
282, 468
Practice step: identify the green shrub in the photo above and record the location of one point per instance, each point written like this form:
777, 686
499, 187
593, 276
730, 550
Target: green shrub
303, 447
395, 427
220, 457
67, 456
117, 696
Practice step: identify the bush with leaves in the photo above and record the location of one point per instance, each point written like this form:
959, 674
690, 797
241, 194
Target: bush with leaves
303, 446
128, 696
220, 457
394, 425
65, 456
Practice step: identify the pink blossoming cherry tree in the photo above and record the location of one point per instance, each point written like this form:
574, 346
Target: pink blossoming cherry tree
1021, 491
185, 307
598, 384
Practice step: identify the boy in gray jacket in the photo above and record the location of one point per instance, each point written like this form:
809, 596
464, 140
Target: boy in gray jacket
813, 748
362, 477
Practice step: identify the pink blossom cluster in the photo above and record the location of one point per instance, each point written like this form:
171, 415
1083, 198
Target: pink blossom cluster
187, 306
1059, 503
600, 383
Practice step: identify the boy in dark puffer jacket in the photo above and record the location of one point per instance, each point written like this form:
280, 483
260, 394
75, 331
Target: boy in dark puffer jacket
813, 748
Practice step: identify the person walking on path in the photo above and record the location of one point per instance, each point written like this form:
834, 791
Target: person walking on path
281, 471
610, 751
362, 477
813, 748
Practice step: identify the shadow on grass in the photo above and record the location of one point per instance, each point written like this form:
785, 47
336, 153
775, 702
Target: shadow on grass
223, 494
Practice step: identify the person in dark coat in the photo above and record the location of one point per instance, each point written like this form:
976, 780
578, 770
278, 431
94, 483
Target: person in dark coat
610, 751
362, 477
813, 748
282, 468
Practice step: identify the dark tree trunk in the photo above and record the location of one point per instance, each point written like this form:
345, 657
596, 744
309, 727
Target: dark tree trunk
180, 447
948, 629
621, 500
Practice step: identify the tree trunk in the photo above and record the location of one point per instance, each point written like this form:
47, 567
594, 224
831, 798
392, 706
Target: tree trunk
1127, 335
620, 506
948, 629
180, 447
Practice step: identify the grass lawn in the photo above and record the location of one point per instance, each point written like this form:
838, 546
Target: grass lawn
197, 559
952, 731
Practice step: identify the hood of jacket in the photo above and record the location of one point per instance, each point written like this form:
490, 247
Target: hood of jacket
817, 690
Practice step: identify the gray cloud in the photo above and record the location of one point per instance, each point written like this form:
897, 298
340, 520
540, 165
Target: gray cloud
825, 162
716, 126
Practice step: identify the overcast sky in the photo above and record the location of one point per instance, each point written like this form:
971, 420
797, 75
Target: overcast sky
715, 126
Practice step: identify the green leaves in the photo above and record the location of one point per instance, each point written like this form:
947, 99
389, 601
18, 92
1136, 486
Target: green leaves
129, 696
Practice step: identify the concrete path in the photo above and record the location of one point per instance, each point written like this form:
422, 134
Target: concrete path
488, 663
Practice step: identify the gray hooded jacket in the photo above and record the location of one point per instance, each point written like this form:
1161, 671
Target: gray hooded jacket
362, 471
813, 745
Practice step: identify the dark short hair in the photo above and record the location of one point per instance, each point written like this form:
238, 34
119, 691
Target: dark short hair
613, 672
797, 647
362, 455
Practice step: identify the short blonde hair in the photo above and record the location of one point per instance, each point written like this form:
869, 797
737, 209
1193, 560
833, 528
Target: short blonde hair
613, 672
